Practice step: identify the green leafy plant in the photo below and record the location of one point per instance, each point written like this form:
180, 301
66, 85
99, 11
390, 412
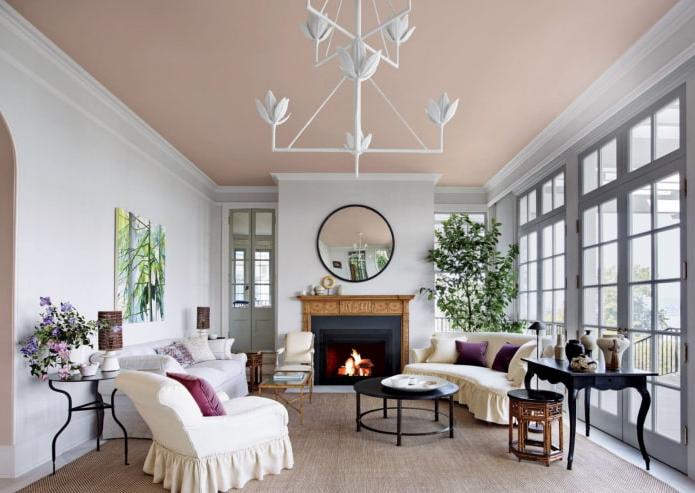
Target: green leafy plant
475, 282
60, 331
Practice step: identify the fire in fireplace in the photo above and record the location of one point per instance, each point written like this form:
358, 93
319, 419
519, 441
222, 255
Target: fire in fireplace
356, 366
351, 348
347, 362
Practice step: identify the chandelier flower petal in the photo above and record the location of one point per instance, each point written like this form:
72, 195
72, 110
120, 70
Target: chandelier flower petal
442, 110
357, 65
364, 143
272, 111
397, 30
316, 28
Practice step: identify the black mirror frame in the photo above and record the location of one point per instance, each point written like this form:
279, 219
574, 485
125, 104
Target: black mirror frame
393, 242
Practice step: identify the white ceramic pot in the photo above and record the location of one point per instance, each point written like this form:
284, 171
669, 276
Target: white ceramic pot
89, 369
613, 348
588, 340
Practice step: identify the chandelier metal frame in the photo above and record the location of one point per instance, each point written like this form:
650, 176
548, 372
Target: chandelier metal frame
358, 61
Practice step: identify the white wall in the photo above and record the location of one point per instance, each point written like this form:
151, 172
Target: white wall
409, 208
79, 156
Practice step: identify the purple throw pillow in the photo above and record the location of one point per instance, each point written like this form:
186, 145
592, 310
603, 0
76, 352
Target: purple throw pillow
203, 393
504, 357
471, 353
177, 351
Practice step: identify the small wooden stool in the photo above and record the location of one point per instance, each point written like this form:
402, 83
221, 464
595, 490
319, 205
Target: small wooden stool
254, 362
535, 406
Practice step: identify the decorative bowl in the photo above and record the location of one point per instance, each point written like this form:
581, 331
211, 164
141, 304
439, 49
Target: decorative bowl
413, 383
89, 370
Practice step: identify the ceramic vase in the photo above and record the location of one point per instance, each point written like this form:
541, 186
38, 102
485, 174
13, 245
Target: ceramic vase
613, 348
589, 342
573, 349
560, 347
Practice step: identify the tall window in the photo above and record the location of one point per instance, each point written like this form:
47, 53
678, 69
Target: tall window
441, 323
632, 243
542, 252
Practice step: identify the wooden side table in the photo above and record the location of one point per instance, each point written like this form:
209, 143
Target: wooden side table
535, 406
254, 362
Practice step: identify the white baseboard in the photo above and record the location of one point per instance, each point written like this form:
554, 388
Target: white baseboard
6, 461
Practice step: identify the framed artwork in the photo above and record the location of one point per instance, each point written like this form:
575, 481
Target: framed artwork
140, 265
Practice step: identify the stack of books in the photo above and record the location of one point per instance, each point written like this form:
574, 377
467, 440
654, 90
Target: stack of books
288, 376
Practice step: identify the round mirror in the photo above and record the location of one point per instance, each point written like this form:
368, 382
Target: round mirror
355, 243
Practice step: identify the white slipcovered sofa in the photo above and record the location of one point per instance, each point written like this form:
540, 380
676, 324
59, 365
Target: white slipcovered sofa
227, 373
191, 453
482, 389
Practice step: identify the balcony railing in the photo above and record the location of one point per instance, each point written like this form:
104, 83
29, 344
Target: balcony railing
667, 352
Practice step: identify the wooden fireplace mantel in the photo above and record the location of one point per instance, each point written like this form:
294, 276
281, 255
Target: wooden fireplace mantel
360, 305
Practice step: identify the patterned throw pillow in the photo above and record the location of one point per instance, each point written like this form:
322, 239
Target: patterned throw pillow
177, 351
199, 348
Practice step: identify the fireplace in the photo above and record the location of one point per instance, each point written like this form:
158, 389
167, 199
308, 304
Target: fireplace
351, 348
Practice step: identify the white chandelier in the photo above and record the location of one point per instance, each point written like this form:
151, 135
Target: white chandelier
358, 62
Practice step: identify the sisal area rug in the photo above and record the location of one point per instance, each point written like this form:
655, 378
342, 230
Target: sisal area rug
331, 457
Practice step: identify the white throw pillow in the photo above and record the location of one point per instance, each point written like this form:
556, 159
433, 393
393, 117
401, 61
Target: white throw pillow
444, 350
199, 348
221, 348
517, 368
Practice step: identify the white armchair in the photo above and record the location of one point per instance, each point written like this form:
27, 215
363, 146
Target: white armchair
190, 452
297, 355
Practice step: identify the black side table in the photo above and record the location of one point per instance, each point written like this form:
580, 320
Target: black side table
97, 405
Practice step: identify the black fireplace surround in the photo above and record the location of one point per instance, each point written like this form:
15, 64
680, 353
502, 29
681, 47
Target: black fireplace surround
375, 337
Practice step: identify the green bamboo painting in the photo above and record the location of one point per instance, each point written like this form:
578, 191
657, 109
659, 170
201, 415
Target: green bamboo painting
140, 261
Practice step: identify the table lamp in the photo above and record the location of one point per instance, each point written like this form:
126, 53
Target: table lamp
203, 320
110, 338
537, 327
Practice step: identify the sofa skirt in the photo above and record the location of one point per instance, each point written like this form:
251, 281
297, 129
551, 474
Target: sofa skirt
482, 403
221, 472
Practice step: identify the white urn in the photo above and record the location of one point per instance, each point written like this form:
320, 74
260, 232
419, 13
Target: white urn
613, 348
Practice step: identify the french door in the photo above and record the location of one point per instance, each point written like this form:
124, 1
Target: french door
251, 279
632, 243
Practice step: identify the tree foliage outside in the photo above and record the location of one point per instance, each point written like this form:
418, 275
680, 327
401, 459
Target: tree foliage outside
475, 282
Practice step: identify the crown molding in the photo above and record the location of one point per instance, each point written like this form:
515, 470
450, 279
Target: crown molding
460, 190
246, 189
423, 177
176, 163
658, 35
246, 194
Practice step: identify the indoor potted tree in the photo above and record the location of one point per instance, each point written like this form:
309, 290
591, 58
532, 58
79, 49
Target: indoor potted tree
475, 282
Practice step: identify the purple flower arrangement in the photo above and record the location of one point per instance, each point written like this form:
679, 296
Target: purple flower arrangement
61, 330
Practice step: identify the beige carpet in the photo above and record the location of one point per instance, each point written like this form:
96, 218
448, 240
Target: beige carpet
331, 457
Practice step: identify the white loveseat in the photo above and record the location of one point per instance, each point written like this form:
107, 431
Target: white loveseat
482, 389
227, 373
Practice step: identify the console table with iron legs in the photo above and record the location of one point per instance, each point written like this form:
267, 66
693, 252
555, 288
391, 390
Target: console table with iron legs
97, 405
553, 371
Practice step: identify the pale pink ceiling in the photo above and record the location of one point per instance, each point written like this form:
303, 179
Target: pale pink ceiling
192, 69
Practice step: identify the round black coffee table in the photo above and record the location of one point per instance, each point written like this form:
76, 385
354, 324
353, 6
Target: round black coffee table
373, 388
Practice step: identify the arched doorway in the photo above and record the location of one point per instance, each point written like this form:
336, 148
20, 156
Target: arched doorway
7, 242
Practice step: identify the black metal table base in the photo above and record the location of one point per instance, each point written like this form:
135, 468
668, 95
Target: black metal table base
97, 405
399, 433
